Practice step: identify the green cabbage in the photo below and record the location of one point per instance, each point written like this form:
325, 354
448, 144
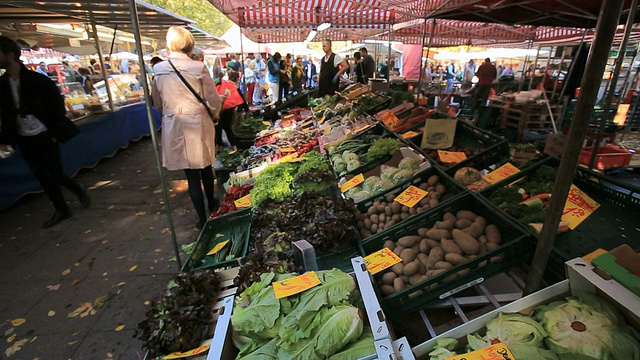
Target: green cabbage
387, 172
387, 184
357, 350
409, 163
362, 195
441, 354
370, 182
587, 327
402, 176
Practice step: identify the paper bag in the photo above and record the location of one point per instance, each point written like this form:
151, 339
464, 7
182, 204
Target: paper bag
439, 133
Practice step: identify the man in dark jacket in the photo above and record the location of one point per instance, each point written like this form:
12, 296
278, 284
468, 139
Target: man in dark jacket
486, 74
368, 64
32, 112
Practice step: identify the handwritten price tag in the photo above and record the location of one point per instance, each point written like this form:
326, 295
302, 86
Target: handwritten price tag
501, 173
354, 181
496, 351
380, 260
295, 285
218, 247
243, 202
389, 119
196, 351
452, 157
578, 207
409, 134
287, 149
411, 196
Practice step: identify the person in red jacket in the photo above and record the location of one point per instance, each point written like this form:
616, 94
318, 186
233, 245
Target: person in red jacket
231, 100
486, 74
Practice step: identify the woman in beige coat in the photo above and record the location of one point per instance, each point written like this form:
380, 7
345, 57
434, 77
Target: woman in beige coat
187, 130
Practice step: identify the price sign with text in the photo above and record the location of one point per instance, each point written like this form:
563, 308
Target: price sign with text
196, 351
501, 173
295, 285
218, 247
495, 351
389, 118
451, 157
411, 196
380, 260
354, 181
578, 207
243, 202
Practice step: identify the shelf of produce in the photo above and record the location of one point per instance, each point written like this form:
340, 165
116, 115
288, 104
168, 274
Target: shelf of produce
233, 226
512, 247
581, 277
385, 345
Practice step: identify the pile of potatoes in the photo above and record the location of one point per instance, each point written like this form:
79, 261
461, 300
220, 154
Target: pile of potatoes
452, 241
382, 215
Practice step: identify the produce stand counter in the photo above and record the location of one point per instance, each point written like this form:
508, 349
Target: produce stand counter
100, 136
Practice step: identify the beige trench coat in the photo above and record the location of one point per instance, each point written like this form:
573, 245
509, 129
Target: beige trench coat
188, 134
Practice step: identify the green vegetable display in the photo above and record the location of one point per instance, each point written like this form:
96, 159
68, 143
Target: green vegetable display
398, 97
382, 148
248, 128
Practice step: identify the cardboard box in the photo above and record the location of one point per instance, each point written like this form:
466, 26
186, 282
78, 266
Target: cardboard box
554, 145
621, 264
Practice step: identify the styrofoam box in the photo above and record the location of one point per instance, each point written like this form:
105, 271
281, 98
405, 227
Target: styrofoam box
581, 277
222, 346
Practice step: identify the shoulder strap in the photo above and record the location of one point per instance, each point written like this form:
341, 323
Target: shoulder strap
191, 89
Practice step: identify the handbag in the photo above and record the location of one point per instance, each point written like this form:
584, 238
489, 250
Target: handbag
200, 99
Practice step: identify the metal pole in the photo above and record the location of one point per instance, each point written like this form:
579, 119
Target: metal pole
113, 41
533, 71
426, 61
573, 65
614, 82
244, 84
605, 31
527, 60
627, 79
389, 45
101, 60
147, 96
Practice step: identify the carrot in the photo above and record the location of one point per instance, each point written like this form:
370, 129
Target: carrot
543, 197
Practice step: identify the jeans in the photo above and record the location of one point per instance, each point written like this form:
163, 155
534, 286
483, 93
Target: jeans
449, 87
275, 91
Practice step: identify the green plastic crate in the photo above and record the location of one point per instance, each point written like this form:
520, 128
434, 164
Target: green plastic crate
454, 190
235, 221
516, 249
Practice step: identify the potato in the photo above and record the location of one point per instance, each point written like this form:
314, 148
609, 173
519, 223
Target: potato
382, 218
389, 224
422, 232
463, 224
375, 227
387, 290
449, 216
437, 234
466, 214
491, 246
443, 265
435, 195
388, 277
434, 202
421, 209
380, 208
404, 216
396, 217
454, 258
407, 255
412, 268
449, 246
435, 255
372, 210
432, 243
482, 221
398, 284
464, 272
380, 229
376, 203
483, 248
423, 258
367, 223
446, 225
416, 248
412, 211
360, 224
433, 180
493, 234
388, 211
474, 230
365, 233
423, 186
405, 209
409, 240
415, 294
396, 207
440, 189
415, 279
398, 269
467, 243
398, 249
404, 278
390, 198
359, 216
431, 188
375, 219
482, 239
424, 246
437, 271
389, 245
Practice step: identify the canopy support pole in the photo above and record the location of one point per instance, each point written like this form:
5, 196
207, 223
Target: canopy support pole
614, 82
433, 30
101, 60
389, 48
423, 66
113, 41
598, 54
527, 60
533, 71
244, 84
145, 87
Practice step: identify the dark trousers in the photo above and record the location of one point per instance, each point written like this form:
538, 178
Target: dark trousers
196, 180
226, 123
42, 155
480, 96
284, 91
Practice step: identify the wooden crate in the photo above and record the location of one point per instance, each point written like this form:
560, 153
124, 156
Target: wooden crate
523, 116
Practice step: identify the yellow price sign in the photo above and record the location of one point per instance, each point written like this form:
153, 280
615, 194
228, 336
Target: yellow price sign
410, 134
578, 207
411, 196
196, 351
389, 118
287, 149
501, 173
243, 202
380, 260
295, 285
266, 123
218, 247
495, 351
353, 182
452, 157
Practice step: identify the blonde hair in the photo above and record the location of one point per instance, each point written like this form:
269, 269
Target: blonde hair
180, 39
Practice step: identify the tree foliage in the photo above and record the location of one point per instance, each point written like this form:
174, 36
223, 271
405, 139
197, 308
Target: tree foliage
207, 16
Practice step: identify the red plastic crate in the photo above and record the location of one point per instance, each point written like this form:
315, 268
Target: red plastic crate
609, 156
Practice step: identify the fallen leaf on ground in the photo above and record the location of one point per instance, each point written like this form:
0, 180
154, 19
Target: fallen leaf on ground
133, 267
109, 355
11, 338
71, 342
15, 347
76, 264
76, 333
88, 231
165, 231
157, 250
147, 302
121, 257
101, 300
120, 327
141, 213
173, 258
120, 284
75, 281
105, 241
51, 313
34, 339
53, 287
66, 272
105, 273
9, 331
19, 321
84, 310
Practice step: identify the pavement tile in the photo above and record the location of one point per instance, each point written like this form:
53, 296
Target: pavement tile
110, 345
45, 347
18, 297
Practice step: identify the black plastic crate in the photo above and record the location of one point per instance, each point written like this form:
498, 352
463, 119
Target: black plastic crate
516, 249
